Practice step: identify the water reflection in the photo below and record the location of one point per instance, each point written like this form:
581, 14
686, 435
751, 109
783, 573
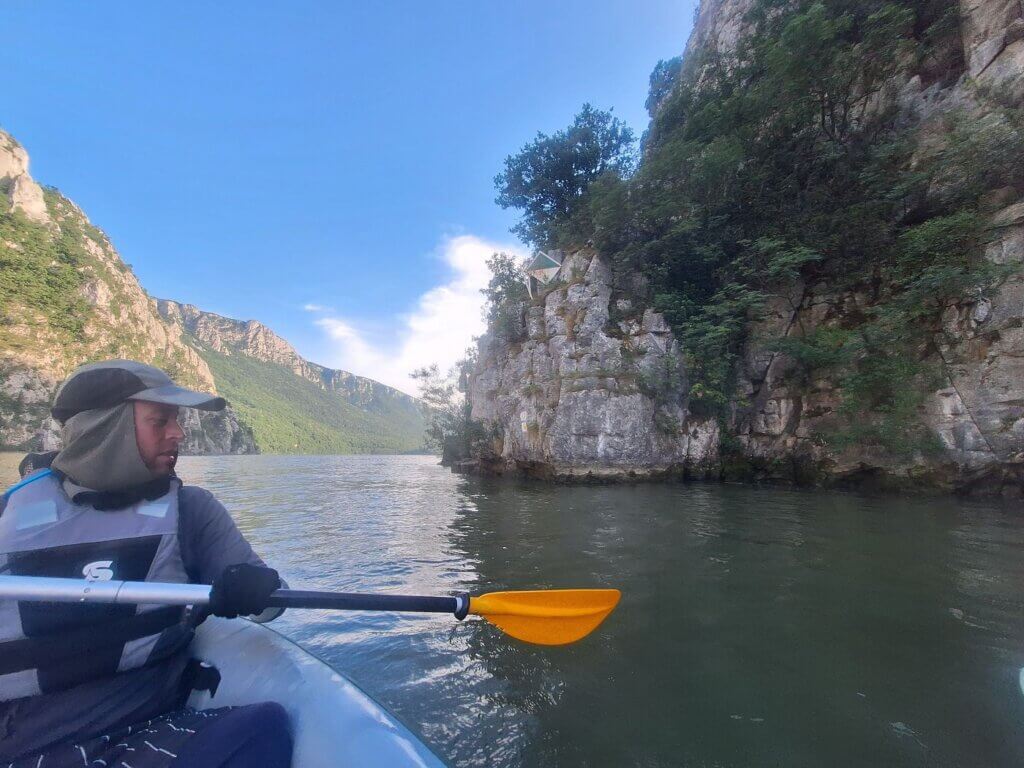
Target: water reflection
758, 627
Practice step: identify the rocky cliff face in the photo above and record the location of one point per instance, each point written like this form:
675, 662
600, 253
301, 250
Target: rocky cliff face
67, 298
991, 37
977, 412
23, 194
229, 336
593, 385
253, 339
587, 386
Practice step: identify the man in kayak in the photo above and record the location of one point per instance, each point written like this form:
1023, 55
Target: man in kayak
105, 685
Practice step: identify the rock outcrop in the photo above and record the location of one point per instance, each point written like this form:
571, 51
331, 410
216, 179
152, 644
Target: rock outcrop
226, 335
71, 299
23, 193
216, 432
586, 387
592, 384
977, 412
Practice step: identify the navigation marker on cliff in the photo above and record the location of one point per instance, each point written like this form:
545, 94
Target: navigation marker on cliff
542, 270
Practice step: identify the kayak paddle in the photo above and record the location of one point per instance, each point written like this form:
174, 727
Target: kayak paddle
544, 617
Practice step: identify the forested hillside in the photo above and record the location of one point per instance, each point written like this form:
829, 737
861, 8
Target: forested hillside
826, 208
289, 414
66, 298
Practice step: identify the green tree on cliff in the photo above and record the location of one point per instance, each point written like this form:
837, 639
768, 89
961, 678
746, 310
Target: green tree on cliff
786, 162
450, 429
504, 297
548, 178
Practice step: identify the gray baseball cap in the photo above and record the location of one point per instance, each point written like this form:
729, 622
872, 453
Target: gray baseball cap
107, 383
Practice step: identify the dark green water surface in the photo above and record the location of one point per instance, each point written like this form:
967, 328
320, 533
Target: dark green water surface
758, 627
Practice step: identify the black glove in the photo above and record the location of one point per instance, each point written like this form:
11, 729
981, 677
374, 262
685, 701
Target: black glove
242, 590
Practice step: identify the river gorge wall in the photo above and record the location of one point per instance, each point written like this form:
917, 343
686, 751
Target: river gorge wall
584, 387
67, 297
588, 381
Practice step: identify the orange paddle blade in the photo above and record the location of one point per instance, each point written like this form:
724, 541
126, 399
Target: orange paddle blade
547, 617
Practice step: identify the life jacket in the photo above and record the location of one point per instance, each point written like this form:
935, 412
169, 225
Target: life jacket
46, 647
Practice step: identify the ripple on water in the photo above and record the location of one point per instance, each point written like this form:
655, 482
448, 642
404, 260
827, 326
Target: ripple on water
758, 627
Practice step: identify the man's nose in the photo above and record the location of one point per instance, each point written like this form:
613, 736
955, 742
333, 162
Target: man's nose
175, 432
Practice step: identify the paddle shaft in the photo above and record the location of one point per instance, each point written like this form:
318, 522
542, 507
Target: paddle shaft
354, 601
55, 590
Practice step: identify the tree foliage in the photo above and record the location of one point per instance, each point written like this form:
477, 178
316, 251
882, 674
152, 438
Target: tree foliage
504, 297
784, 164
662, 81
548, 178
506, 283
450, 430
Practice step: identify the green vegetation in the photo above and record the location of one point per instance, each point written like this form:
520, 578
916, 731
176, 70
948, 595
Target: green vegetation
43, 309
786, 165
289, 414
549, 177
40, 277
43, 270
505, 297
450, 429
663, 80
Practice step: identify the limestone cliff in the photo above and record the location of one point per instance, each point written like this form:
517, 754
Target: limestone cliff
23, 193
586, 387
593, 383
66, 298
978, 411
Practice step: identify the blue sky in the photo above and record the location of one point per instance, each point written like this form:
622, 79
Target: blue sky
326, 168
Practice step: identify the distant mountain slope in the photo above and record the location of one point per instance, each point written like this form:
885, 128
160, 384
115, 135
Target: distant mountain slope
293, 405
290, 414
253, 339
66, 297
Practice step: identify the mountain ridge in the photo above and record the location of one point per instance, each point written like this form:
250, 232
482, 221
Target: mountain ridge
67, 298
253, 338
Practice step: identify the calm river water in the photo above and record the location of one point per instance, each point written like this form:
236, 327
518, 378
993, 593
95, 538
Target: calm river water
758, 627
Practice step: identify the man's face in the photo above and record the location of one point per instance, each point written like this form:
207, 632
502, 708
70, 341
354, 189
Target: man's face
157, 433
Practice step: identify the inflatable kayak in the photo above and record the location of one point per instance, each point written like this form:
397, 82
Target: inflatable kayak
334, 723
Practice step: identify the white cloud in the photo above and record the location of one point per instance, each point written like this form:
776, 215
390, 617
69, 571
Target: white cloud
438, 330
316, 308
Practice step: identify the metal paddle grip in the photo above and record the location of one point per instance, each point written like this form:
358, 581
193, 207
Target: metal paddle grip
58, 590
47, 589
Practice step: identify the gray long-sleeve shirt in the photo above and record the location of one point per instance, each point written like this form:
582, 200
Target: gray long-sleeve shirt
210, 542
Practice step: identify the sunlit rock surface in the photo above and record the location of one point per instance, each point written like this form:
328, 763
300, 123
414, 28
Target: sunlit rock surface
575, 392
579, 393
